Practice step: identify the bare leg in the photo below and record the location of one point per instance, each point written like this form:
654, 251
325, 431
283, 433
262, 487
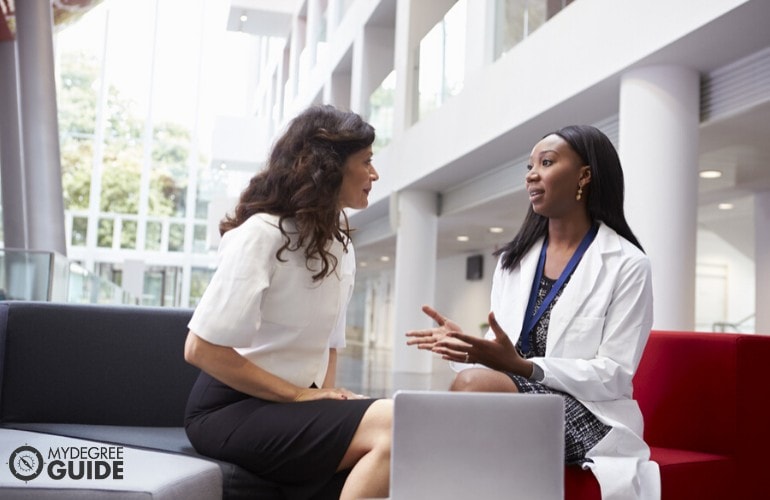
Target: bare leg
483, 380
369, 454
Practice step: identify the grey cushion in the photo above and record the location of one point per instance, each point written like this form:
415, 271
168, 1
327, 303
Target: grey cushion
238, 482
146, 474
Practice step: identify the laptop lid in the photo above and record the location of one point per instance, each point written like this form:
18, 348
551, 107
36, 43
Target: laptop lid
463, 445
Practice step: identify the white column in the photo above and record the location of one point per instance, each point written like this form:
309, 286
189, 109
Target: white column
11, 159
762, 261
658, 143
40, 130
404, 62
313, 31
415, 275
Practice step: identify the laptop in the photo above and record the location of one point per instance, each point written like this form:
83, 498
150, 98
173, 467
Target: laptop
483, 446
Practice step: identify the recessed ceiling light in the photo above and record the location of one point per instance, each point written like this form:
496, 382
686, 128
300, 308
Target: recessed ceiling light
385, 258
363, 263
223, 166
462, 238
710, 174
725, 206
495, 230
244, 18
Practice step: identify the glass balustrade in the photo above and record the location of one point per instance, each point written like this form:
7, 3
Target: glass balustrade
51, 277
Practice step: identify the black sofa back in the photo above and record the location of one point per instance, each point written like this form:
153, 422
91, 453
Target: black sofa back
99, 365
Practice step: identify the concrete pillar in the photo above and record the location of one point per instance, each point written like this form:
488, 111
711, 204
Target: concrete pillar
658, 146
40, 129
416, 221
762, 261
11, 157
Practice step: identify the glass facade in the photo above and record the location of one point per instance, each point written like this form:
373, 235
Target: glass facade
442, 60
135, 119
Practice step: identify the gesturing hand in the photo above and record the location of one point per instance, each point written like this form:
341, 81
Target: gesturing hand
427, 339
498, 353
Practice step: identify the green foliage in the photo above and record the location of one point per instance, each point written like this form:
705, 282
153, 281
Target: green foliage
123, 150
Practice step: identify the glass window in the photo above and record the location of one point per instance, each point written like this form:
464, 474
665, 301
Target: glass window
517, 19
79, 231
105, 232
128, 234
199, 280
128, 70
153, 234
176, 237
199, 238
79, 82
175, 104
381, 111
442, 60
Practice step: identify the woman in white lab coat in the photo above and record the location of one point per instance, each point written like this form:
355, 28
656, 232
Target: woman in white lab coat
573, 290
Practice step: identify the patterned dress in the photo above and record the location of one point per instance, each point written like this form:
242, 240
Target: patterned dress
582, 430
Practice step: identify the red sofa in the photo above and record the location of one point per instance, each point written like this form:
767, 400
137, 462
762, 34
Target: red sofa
705, 398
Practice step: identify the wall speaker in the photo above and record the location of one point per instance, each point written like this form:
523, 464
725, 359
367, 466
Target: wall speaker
474, 267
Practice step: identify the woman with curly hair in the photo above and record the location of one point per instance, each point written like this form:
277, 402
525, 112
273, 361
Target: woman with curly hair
266, 331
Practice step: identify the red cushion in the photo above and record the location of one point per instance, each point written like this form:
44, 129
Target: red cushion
580, 484
686, 389
688, 475
684, 475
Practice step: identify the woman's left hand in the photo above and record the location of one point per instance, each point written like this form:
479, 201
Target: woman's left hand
498, 354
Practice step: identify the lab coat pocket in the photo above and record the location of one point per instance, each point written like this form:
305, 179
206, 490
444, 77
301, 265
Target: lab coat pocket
584, 334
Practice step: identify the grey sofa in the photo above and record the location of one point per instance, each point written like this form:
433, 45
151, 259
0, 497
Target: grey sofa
97, 375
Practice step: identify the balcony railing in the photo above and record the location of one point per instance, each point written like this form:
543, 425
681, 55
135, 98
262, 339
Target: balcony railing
51, 277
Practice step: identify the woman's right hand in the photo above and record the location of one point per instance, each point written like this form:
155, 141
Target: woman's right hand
313, 394
427, 339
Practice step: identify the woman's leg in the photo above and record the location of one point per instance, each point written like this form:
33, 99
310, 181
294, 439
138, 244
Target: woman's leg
482, 380
368, 455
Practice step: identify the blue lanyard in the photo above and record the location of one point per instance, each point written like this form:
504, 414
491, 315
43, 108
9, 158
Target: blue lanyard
532, 317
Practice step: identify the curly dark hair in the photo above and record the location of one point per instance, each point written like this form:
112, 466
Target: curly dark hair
302, 181
605, 192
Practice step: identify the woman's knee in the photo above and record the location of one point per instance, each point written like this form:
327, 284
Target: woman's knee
482, 380
374, 434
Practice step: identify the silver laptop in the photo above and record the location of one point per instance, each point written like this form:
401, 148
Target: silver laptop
481, 446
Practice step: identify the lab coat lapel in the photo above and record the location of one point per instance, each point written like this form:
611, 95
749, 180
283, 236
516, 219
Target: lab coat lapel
528, 265
578, 289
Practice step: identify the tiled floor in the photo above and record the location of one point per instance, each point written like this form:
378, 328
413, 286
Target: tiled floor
368, 371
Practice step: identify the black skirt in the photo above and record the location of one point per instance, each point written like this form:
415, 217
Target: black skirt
297, 445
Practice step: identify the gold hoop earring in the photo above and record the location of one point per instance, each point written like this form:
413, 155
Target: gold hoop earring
579, 193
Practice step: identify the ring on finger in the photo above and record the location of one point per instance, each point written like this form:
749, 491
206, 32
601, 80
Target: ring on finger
467, 357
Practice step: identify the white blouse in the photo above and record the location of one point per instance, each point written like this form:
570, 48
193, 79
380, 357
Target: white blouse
272, 312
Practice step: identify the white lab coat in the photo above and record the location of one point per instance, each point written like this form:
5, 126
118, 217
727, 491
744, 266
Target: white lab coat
598, 329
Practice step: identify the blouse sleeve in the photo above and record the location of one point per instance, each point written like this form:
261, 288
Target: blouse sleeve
229, 312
